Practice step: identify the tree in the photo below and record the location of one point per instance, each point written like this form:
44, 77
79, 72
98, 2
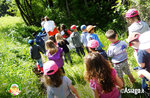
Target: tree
97, 12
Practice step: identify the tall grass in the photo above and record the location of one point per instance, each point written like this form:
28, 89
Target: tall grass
16, 64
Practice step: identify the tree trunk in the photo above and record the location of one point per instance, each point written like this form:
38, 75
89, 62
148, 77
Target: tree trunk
50, 2
86, 4
67, 7
24, 16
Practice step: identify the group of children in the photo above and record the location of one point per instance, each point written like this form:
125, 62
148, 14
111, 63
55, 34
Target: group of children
104, 80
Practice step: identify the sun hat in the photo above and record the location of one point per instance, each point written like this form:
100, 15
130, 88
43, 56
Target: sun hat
50, 68
83, 27
30, 42
131, 13
133, 36
144, 40
73, 27
90, 27
93, 44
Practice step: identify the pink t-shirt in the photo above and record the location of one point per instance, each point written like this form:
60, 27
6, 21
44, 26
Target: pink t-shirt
95, 86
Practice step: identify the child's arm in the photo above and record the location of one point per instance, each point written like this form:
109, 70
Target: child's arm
145, 73
95, 93
31, 53
118, 82
41, 50
43, 35
142, 65
74, 90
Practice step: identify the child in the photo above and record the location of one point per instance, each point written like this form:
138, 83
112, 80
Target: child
137, 25
35, 54
91, 35
75, 39
102, 77
50, 27
55, 53
63, 44
42, 22
39, 41
142, 43
66, 34
64, 31
93, 45
58, 86
44, 35
84, 35
118, 54
52, 38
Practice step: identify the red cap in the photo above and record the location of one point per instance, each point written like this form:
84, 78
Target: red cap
73, 27
132, 37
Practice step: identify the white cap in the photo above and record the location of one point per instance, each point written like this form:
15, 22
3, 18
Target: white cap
144, 40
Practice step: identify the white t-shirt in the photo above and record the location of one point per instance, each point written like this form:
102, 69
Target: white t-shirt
49, 26
42, 23
139, 27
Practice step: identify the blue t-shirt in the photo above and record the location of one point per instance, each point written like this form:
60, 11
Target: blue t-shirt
94, 36
144, 57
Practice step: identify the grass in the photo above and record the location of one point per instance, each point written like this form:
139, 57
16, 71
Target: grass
16, 64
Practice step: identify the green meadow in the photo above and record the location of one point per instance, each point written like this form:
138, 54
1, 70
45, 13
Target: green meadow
16, 64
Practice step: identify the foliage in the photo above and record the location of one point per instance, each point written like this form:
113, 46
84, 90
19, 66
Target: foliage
16, 64
143, 6
98, 12
8, 7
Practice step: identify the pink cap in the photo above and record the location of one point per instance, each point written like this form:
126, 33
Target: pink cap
131, 13
50, 68
93, 44
73, 27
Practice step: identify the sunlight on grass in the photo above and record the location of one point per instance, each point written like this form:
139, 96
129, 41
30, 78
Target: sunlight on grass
16, 64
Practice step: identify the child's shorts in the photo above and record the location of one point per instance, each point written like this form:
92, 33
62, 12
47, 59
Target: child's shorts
122, 67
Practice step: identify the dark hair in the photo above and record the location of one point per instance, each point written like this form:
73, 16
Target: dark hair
63, 27
52, 38
54, 80
46, 18
111, 34
99, 68
58, 28
42, 19
34, 34
138, 17
91, 30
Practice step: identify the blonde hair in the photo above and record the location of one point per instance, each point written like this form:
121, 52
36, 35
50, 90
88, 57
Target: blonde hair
51, 47
59, 38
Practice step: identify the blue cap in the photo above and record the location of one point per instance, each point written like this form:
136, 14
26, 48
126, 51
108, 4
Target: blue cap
43, 29
30, 41
83, 27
